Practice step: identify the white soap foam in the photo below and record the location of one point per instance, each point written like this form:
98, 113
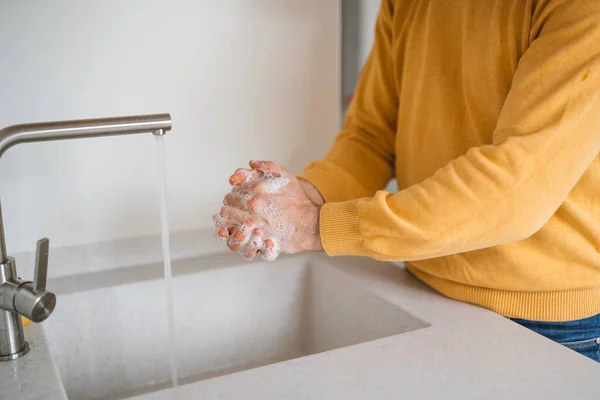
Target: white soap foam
274, 185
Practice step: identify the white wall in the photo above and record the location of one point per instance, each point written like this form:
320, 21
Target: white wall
242, 79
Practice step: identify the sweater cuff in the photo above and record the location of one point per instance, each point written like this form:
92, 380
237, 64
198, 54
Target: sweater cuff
339, 229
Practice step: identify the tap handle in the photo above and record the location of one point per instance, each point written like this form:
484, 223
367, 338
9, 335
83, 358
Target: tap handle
41, 265
31, 298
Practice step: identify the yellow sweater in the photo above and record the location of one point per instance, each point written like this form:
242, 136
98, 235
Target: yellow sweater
487, 113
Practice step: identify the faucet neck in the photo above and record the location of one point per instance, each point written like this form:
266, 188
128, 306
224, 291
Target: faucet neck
12, 337
3, 254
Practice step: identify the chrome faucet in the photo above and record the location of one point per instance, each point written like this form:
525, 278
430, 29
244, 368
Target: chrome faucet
31, 299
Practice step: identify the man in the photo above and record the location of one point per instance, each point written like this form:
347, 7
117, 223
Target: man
488, 114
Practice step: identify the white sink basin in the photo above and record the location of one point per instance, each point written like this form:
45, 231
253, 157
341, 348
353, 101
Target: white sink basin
109, 338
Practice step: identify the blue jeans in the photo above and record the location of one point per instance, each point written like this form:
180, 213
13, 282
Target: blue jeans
582, 335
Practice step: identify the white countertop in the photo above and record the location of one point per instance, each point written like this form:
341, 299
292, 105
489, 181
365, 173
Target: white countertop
34, 376
467, 352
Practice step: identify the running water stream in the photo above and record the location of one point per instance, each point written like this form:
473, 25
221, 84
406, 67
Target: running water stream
164, 217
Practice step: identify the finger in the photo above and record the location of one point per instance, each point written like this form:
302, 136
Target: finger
234, 200
268, 166
270, 254
260, 187
271, 250
233, 243
222, 234
224, 226
237, 239
239, 236
271, 185
233, 246
238, 177
247, 227
244, 192
249, 254
231, 225
257, 240
256, 204
254, 244
243, 233
234, 213
223, 222
242, 176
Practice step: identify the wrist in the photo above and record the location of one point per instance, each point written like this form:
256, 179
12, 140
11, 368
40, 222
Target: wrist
318, 245
312, 192
312, 235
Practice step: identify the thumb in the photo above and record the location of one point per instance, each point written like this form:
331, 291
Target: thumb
269, 166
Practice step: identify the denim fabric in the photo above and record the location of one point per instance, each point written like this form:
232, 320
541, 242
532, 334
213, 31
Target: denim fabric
582, 336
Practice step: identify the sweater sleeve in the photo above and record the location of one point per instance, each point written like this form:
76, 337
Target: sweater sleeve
361, 160
547, 135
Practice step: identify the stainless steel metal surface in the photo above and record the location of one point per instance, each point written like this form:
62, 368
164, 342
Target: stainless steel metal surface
13, 344
7, 270
8, 284
41, 265
3, 254
12, 339
35, 306
85, 128
31, 299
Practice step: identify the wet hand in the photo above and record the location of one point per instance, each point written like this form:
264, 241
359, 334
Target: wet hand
269, 211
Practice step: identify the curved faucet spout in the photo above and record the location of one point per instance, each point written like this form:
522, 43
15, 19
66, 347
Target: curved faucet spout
84, 128
30, 298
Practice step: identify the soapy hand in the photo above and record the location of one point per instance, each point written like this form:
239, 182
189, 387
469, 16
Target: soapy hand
269, 211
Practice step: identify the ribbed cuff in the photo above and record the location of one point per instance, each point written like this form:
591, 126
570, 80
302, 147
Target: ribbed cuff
340, 235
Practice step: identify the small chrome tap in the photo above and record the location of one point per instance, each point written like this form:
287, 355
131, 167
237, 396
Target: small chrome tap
30, 298
19, 297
